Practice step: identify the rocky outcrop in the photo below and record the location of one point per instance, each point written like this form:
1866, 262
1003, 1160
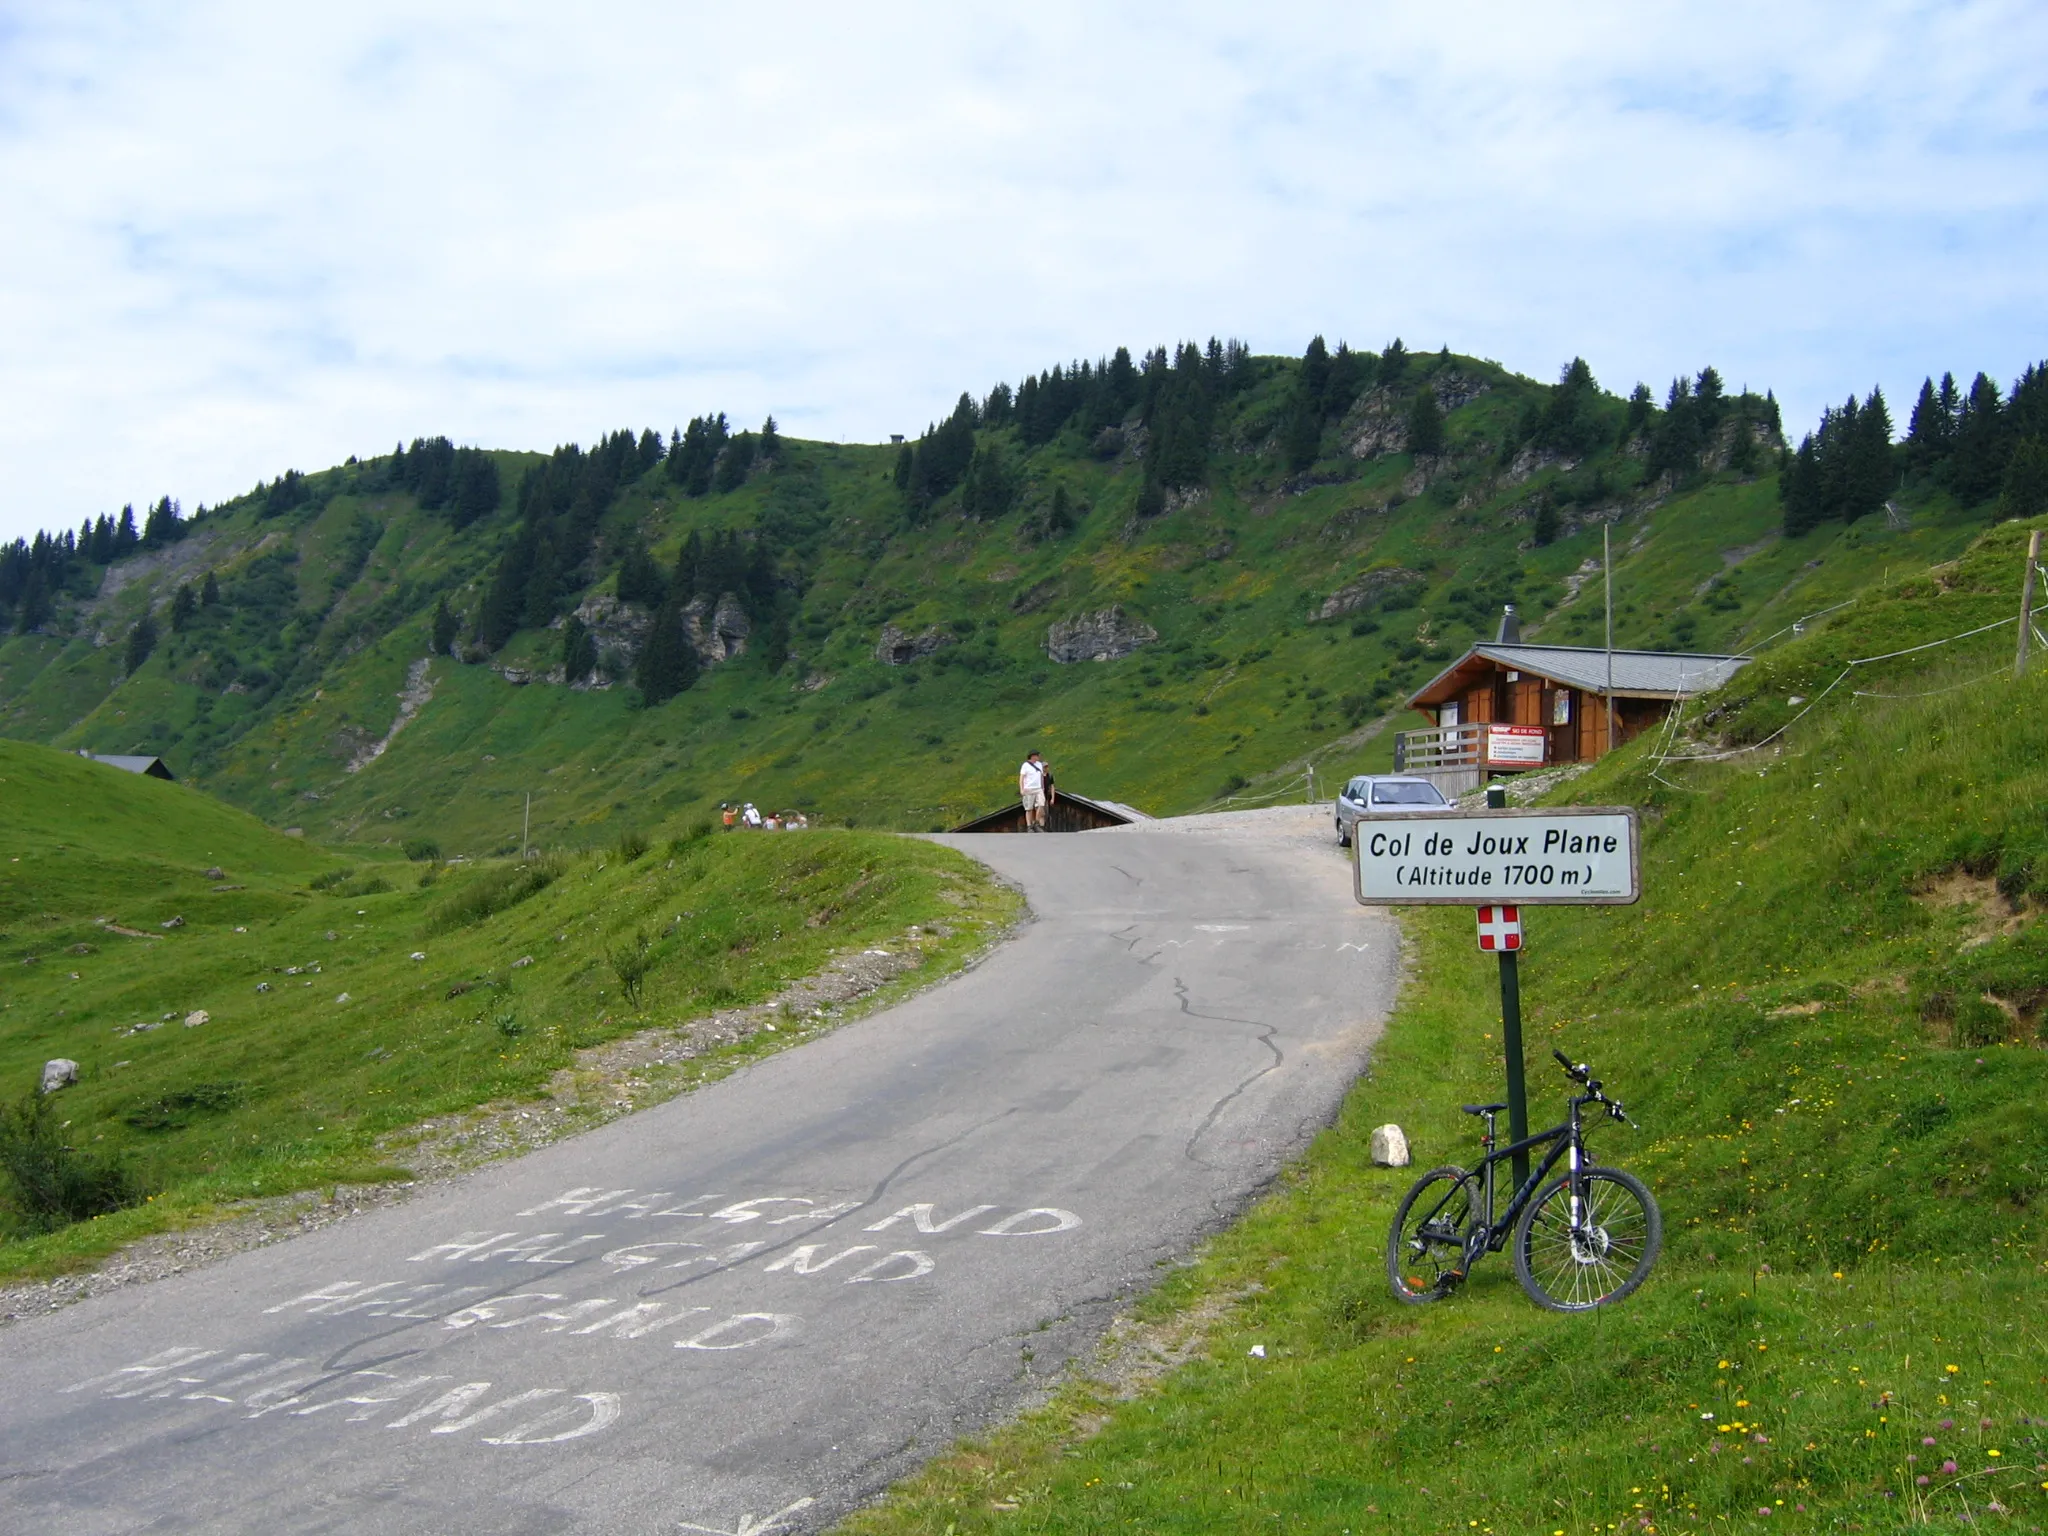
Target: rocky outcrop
618, 630
1100, 636
722, 634
1369, 591
1379, 422
899, 648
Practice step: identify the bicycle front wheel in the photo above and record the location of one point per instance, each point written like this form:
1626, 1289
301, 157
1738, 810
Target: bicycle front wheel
1572, 1265
1426, 1246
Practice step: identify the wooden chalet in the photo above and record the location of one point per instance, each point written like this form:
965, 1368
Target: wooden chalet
1067, 813
1507, 706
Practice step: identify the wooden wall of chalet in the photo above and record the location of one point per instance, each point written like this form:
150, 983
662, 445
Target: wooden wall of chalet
1532, 700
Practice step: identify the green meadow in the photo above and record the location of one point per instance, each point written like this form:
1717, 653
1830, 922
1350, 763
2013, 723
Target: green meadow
263, 1030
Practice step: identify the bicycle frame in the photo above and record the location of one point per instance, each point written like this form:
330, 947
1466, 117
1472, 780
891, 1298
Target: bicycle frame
1568, 1142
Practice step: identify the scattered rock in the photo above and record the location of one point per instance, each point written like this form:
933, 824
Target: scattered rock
172, 922
83, 949
1103, 636
419, 954
216, 873
197, 1017
262, 986
1369, 591
1389, 1147
332, 935
59, 1073
523, 960
139, 1029
899, 648
342, 999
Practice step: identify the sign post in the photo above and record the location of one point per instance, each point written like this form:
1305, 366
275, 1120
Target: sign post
1499, 861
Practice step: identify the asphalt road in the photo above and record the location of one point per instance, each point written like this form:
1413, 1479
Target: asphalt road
748, 1309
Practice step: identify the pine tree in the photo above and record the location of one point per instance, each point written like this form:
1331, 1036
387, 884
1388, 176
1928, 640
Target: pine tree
441, 642
1930, 432
1977, 466
2024, 492
209, 590
688, 579
1642, 405
1545, 528
141, 641
771, 441
1425, 425
735, 463
1315, 374
1393, 365
34, 608
639, 580
1570, 423
476, 492
666, 665
162, 526
1799, 490
125, 536
1304, 431
183, 606
579, 650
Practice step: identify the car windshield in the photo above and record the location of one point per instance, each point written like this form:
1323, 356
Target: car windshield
1406, 794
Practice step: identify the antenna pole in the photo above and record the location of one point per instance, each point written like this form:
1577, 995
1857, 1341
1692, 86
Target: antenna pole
1607, 577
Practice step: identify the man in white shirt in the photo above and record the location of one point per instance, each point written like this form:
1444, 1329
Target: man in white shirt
1032, 779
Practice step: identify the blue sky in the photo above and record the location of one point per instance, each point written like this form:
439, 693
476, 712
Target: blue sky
240, 238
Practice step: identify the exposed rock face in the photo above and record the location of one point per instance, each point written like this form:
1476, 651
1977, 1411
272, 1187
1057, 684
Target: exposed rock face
617, 629
1368, 591
1379, 422
1100, 636
59, 1073
899, 648
723, 635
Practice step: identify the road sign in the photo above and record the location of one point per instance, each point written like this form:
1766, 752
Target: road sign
1580, 856
1500, 928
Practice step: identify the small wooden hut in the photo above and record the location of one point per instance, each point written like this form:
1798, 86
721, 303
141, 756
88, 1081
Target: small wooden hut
1507, 706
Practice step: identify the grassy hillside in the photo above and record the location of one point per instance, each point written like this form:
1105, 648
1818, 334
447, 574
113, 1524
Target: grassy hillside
261, 1032
327, 600
1826, 1015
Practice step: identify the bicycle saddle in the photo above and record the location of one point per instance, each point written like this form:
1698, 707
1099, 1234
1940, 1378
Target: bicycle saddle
1482, 1109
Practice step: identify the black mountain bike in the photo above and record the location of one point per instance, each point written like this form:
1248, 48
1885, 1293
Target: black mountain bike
1587, 1240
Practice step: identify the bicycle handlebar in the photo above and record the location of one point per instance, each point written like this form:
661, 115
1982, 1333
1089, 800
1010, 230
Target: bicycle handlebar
1582, 1074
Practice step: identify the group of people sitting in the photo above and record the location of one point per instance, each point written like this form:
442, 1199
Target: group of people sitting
748, 818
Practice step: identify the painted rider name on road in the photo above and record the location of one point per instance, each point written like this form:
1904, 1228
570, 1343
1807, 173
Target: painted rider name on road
1576, 857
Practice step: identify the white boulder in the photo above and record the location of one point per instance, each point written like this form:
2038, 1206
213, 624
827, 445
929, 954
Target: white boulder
1389, 1146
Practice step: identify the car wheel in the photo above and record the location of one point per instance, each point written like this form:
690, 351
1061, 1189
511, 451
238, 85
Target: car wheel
1343, 837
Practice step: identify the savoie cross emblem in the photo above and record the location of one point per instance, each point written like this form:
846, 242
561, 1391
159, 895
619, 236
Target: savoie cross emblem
1500, 928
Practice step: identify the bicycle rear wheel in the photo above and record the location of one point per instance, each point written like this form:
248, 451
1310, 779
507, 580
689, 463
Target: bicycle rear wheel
1426, 1246
1574, 1267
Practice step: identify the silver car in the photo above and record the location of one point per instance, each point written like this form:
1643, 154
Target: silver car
1384, 794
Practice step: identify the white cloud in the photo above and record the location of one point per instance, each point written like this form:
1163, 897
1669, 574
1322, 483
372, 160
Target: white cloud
247, 237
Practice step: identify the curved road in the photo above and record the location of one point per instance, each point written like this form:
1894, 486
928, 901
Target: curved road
747, 1310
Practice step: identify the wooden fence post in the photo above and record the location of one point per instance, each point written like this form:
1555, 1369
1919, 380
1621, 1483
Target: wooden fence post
2019, 666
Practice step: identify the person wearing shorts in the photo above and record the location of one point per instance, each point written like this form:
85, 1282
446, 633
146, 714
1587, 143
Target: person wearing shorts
1031, 787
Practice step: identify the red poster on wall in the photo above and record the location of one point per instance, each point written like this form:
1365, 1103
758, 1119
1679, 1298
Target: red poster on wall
1516, 746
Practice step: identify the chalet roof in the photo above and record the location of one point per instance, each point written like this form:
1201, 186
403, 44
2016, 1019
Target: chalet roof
1110, 812
1637, 674
153, 766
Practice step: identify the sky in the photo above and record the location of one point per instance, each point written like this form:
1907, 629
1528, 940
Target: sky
241, 238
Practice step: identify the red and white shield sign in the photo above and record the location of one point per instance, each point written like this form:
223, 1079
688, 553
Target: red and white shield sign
1500, 928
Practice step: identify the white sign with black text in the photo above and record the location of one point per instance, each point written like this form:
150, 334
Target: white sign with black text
1582, 856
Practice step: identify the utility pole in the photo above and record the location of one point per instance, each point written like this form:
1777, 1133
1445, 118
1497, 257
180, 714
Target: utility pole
2019, 666
1607, 578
